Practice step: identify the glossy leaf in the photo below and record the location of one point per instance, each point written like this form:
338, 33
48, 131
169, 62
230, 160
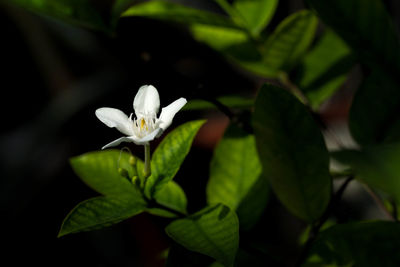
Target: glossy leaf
234, 171
213, 231
100, 212
172, 196
376, 166
367, 27
292, 153
168, 11
324, 69
371, 244
79, 12
375, 111
289, 42
232, 43
255, 14
99, 170
169, 155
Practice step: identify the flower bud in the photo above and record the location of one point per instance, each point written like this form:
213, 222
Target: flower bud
132, 160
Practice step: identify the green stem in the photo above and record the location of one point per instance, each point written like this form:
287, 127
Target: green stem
147, 169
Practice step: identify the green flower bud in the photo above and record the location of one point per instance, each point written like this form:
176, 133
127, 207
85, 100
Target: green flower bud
132, 160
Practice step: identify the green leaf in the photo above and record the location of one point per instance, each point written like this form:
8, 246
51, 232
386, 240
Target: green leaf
169, 155
324, 69
172, 196
377, 166
367, 27
99, 170
229, 101
78, 12
118, 8
375, 111
173, 12
234, 171
373, 244
213, 231
289, 42
256, 14
292, 153
100, 212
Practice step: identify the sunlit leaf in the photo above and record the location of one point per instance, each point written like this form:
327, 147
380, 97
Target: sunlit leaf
324, 69
234, 171
289, 42
79, 12
169, 155
213, 231
255, 14
168, 11
292, 152
377, 166
373, 244
375, 111
367, 27
100, 212
99, 170
229, 101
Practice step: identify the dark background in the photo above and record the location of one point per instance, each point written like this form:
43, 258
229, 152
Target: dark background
54, 76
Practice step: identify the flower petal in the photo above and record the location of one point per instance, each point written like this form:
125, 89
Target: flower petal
147, 101
130, 139
168, 112
150, 137
115, 118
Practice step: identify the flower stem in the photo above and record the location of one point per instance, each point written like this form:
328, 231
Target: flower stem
147, 170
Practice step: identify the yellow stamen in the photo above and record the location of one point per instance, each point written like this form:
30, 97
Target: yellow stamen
142, 124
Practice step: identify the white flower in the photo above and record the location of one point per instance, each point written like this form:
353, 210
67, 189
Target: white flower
146, 126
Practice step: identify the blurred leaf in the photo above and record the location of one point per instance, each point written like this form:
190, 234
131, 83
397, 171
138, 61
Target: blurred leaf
169, 11
373, 244
324, 69
169, 155
229, 101
256, 14
99, 170
118, 8
172, 196
79, 12
289, 42
377, 166
375, 110
100, 212
292, 153
213, 231
235, 169
367, 27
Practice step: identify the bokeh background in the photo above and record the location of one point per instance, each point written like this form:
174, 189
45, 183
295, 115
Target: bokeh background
55, 75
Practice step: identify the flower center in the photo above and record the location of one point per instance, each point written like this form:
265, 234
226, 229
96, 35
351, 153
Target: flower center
143, 126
